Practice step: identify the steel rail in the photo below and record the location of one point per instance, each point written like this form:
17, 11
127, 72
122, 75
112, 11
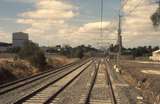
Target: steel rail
87, 100
110, 84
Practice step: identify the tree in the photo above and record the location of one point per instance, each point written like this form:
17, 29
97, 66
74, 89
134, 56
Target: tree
156, 18
155, 48
67, 51
13, 50
79, 52
32, 52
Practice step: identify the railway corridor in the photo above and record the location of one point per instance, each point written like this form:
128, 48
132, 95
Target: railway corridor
88, 83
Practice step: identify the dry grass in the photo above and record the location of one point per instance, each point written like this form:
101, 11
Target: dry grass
150, 82
12, 70
60, 60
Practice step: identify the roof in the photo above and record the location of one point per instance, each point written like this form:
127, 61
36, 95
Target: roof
157, 51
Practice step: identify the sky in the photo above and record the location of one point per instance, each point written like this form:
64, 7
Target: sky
76, 22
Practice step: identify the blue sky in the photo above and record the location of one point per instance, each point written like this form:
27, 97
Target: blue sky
10, 9
51, 22
89, 11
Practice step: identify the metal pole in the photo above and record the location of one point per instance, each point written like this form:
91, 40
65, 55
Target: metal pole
119, 42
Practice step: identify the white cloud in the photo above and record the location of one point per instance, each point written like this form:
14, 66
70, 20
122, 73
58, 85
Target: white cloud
137, 27
47, 19
4, 37
89, 33
95, 26
48, 24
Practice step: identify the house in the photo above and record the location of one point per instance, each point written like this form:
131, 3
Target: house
155, 56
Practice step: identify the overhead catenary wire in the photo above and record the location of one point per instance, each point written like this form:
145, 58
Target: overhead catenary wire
140, 3
135, 8
101, 21
99, 42
101, 18
124, 4
108, 31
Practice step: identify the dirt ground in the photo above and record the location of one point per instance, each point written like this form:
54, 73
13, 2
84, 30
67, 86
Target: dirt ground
145, 77
60, 60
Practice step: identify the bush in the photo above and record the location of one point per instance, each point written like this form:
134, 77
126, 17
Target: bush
32, 52
79, 53
13, 50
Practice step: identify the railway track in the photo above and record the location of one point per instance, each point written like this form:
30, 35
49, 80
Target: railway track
46, 94
100, 89
32, 78
77, 88
25, 87
115, 98
91, 85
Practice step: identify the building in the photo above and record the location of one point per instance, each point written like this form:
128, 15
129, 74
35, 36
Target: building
19, 38
155, 56
4, 46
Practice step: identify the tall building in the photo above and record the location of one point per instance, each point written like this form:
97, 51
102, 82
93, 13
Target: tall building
19, 38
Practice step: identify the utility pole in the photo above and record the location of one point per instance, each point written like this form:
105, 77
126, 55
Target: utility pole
159, 6
119, 40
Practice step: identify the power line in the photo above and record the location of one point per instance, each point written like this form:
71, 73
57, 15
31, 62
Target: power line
101, 17
101, 23
124, 4
138, 5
